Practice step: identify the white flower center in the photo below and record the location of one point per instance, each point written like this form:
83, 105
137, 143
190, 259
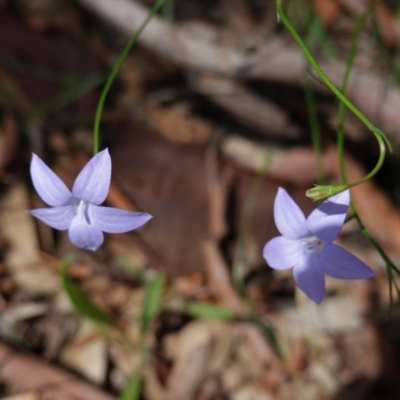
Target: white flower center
312, 244
83, 211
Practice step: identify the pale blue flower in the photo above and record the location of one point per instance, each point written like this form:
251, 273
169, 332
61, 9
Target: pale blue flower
80, 211
306, 244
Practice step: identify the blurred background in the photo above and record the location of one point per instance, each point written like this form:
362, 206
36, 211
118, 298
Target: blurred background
213, 110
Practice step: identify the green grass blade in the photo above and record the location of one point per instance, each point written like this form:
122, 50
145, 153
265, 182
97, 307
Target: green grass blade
152, 301
270, 334
134, 386
209, 311
81, 300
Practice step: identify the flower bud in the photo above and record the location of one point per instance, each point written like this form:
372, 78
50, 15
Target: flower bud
322, 192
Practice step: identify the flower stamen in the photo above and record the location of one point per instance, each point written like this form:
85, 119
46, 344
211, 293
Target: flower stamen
82, 211
312, 244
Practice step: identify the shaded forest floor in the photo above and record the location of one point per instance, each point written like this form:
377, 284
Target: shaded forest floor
207, 119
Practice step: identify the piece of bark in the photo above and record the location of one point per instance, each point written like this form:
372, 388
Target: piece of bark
388, 24
297, 165
32, 373
219, 279
169, 182
238, 16
191, 367
355, 6
327, 10
245, 106
180, 128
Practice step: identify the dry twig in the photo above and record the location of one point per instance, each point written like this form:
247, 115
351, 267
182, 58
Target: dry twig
274, 60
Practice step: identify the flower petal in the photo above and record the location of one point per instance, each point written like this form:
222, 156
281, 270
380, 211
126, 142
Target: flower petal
115, 220
327, 220
282, 253
84, 235
56, 217
310, 279
93, 182
49, 186
339, 263
289, 219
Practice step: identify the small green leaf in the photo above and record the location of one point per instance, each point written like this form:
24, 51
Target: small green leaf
210, 311
80, 299
152, 301
133, 388
269, 332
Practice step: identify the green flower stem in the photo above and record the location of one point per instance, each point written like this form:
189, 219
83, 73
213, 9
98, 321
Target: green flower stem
366, 233
114, 72
320, 72
390, 267
342, 107
380, 136
314, 127
381, 159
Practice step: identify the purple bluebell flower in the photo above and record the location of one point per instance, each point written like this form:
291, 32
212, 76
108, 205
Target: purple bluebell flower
80, 211
306, 244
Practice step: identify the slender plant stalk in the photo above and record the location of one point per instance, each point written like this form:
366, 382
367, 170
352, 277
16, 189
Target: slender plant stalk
390, 267
342, 107
379, 135
114, 72
321, 73
314, 127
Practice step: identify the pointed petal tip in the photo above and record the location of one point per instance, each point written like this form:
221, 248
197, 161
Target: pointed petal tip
342, 197
339, 263
289, 218
371, 274
316, 298
93, 182
56, 217
327, 219
84, 235
48, 185
104, 155
310, 279
148, 216
115, 220
282, 190
318, 301
281, 253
